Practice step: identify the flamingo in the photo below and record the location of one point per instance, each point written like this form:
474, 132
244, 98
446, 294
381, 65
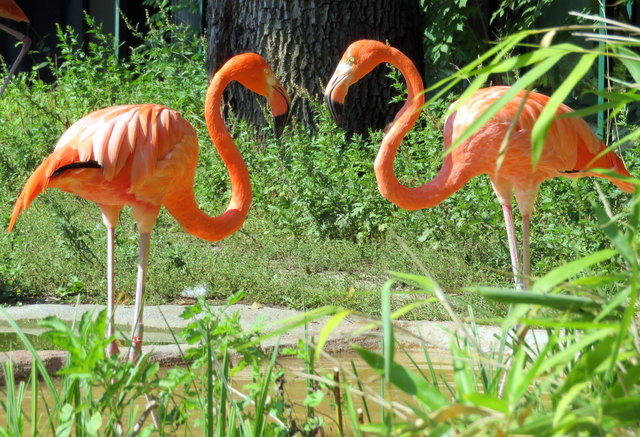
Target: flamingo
145, 156
9, 9
569, 150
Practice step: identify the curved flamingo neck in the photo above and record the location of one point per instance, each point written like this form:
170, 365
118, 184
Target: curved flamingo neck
410, 198
238, 172
182, 204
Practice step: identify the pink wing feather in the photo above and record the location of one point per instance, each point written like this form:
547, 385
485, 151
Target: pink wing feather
126, 141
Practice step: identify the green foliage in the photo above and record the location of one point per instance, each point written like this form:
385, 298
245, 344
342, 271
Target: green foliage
577, 377
96, 395
462, 30
449, 37
518, 15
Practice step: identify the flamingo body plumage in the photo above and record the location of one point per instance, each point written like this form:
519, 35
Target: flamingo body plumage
569, 150
145, 156
123, 155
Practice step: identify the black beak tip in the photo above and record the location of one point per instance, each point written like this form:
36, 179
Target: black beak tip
279, 122
335, 109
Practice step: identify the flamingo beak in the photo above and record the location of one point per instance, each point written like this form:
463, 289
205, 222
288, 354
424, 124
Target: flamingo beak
335, 108
280, 121
280, 107
336, 91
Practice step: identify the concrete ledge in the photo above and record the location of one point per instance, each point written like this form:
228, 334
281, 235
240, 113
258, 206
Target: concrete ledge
158, 319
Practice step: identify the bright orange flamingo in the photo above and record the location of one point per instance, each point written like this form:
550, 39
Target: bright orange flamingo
145, 156
9, 9
569, 150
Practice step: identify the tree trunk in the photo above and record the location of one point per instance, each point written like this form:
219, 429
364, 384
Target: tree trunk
303, 41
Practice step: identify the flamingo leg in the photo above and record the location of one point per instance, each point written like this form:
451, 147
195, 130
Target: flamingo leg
526, 254
26, 43
112, 348
110, 216
526, 199
507, 211
504, 193
138, 323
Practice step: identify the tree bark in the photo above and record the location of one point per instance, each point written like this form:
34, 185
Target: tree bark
303, 41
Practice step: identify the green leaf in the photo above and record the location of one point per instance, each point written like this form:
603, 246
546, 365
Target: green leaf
328, 328
565, 323
313, 399
425, 283
615, 235
388, 345
557, 301
281, 326
569, 352
634, 217
527, 79
624, 409
517, 379
590, 110
462, 370
564, 272
591, 362
625, 381
546, 117
94, 424
65, 425
529, 58
565, 402
405, 380
498, 51
616, 303
487, 401
632, 64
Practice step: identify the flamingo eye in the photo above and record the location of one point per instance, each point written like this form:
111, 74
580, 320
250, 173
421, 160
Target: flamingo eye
351, 60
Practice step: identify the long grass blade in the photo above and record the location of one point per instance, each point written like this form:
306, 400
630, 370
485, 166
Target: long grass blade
543, 123
388, 343
258, 428
615, 235
351, 413
32, 350
363, 398
328, 328
557, 301
405, 380
209, 416
223, 393
564, 272
527, 79
280, 327
34, 401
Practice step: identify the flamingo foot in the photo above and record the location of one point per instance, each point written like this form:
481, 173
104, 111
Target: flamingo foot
136, 349
112, 349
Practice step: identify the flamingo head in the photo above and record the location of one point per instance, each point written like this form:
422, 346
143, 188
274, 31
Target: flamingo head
253, 72
357, 61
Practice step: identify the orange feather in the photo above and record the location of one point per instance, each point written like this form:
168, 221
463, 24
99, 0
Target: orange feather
9, 9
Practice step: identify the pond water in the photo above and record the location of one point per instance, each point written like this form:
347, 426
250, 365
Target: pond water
9, 341
295, 385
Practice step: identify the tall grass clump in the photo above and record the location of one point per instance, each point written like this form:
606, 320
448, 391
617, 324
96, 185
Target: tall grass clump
96, 395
